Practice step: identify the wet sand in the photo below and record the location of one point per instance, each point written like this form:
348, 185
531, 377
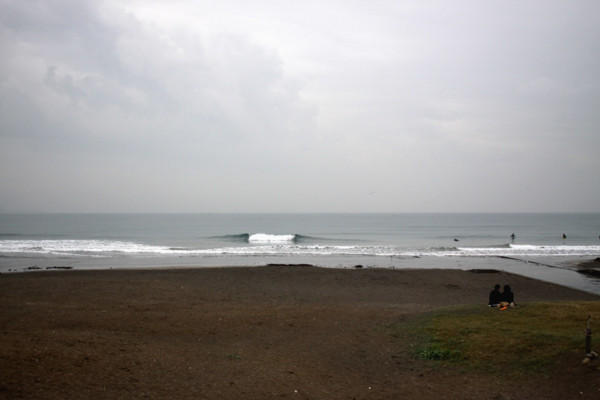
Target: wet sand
250, 333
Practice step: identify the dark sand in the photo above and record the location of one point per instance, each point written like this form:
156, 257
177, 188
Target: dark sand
251, 333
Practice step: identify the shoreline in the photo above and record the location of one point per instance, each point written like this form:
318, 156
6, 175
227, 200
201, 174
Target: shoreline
238, 332
581, 273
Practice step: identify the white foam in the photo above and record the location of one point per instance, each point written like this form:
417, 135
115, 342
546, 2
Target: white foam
65, 247
268, 244
530, 250
266, 238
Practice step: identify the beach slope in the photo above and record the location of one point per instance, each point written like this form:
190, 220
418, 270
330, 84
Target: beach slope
295, 332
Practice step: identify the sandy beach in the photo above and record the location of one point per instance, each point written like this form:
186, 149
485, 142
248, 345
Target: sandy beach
295, 332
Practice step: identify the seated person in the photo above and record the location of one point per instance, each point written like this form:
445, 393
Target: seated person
508, 296
495, 297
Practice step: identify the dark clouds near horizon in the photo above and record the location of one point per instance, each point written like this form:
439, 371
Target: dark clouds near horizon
264, 106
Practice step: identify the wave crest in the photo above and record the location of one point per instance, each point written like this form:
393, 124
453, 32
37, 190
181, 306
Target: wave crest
269, 238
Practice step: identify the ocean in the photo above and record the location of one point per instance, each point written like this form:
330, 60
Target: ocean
33, 242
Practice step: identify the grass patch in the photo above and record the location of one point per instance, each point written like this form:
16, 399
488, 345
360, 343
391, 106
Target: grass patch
436, 353
518, 341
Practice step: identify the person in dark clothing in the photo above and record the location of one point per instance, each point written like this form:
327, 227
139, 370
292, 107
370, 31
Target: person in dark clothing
507, 295
495, 296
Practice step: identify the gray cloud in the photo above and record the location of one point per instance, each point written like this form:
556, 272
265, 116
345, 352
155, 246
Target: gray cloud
162, 106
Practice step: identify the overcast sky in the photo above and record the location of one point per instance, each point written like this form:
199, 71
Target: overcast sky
299, 106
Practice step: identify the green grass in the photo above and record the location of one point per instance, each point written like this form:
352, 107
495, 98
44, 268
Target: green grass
234, 356
522, 340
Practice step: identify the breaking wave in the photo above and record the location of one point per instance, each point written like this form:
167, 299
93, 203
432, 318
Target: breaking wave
269, 244
266, 238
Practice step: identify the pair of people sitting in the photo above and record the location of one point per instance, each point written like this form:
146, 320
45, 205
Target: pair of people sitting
506, 298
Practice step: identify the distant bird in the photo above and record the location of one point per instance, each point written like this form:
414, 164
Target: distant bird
564, 236
456, 240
